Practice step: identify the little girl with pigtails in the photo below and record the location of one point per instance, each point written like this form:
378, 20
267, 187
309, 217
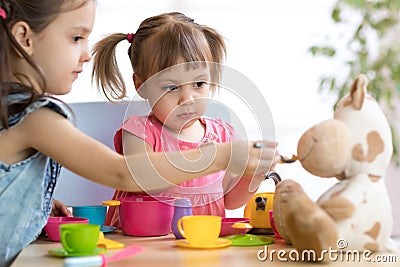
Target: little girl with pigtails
177, 68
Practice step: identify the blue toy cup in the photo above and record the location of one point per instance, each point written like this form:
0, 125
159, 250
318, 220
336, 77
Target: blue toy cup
95, 214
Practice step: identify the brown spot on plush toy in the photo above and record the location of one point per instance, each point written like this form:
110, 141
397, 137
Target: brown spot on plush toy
375, 144
355, 147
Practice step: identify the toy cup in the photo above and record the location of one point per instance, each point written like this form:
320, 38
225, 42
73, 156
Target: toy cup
200, 230
95, 214
272, 222
79, 238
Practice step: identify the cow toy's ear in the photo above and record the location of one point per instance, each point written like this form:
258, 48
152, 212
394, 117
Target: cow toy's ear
358, 90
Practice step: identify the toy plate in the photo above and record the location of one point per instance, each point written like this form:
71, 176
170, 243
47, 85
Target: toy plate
108, 229
220, 243
248, 240
60, 252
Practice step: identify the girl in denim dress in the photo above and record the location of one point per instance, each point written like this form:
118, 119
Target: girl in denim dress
43, 48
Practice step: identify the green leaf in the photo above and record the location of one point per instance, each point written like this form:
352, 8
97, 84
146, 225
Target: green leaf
356, 3
336, 12
382, 26
322, 51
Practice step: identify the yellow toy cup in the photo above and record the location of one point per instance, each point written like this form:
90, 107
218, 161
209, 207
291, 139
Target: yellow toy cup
200, 230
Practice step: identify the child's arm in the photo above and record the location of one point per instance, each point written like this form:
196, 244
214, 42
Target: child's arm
237, 193
53, 135
134, 145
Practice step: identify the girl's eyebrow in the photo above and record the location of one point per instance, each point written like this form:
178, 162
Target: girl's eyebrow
82, 28
201, 75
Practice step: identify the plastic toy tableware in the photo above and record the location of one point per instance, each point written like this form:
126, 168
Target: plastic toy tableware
183, 207
101, 260
79, 238
233, 226
108, 229
283, 159
61, 252
200, 230
258, 206
273, 226
242, 225
248, 240
52, 227
108, 243
220, 243
144, 215
95, 213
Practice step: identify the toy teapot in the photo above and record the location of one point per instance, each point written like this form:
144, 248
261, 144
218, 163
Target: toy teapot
258, 207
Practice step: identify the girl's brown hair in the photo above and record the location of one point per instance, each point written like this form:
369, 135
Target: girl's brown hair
159, 43
38, 14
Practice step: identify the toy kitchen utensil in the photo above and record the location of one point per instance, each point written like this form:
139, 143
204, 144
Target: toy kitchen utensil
183, 207
248, 240
108, 243
52, 228
227, 223
242, 225
101, 260
283, 159
144, 215
257, 208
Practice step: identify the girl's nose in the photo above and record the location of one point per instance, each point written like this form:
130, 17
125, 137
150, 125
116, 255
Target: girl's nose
187, 97
86, 56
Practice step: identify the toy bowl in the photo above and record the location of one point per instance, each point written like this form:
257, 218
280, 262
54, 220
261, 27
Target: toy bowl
227, 229
52, 228
146, 215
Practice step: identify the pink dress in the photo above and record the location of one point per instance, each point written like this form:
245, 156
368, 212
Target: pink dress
206, 193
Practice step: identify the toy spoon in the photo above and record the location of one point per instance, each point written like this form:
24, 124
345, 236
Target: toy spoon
283, 159
101, 260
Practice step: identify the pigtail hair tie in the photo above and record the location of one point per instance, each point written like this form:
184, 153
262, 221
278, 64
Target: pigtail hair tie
3, 13
129, 37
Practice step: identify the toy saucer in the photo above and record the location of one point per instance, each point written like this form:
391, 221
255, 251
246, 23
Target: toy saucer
108, 229
60, 252
247, 240
220, 243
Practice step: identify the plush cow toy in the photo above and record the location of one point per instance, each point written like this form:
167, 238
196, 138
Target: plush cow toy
356, 148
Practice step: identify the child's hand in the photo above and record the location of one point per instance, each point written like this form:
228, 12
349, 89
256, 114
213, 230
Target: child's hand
59, 209
247, 159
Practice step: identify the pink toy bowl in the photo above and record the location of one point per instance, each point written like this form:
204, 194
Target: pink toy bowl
52, 228
227, 229
146, 215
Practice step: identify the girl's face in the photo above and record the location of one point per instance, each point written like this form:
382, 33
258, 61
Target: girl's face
178, 95
61, 49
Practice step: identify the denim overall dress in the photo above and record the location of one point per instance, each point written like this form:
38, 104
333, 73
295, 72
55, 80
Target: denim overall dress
26, 189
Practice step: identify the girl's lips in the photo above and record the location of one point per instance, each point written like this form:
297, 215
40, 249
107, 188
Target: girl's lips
76, 74
186, 115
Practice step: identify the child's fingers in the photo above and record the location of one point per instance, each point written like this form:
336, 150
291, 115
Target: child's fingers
67, 212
